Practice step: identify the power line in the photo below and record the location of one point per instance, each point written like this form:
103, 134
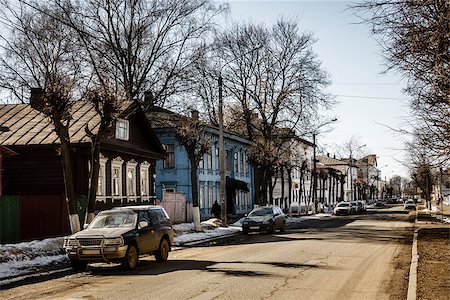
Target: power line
364, 83
369, 97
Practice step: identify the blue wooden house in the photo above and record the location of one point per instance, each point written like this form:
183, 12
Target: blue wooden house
173, 174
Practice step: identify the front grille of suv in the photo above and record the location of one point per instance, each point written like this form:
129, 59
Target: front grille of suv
90, 242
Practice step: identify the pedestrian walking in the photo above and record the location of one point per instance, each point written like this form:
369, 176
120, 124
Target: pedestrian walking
216, 210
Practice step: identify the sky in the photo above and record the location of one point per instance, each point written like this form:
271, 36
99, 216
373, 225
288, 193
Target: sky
369, 102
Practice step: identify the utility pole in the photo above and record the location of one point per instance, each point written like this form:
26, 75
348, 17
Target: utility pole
223, 199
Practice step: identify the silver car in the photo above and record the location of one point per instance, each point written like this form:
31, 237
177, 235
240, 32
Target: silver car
343, 208
121, 235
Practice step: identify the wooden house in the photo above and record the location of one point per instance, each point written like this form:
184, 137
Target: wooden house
34, 174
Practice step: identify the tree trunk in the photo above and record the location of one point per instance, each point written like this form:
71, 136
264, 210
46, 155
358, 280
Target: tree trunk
68, 178
95, 168
289, 173
195, 204
282, 188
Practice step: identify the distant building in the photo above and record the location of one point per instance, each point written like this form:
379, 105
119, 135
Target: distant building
293, 183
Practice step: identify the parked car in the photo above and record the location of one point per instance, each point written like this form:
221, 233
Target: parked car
121, 235
264, 219
380, 203
410, 204
355, 208
361, 205
343, 208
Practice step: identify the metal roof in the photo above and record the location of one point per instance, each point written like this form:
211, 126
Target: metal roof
29, 126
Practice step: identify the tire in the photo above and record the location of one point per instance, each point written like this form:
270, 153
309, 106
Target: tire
244, 232
271, 229
78, 265
283, 227
131, 258
163, 251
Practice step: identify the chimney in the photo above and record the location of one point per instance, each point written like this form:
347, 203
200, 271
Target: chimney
37, 98
149, 100
194, 114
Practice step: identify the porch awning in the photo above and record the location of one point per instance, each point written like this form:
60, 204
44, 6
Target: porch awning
232, 183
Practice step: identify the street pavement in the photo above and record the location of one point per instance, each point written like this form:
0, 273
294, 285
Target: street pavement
336, 258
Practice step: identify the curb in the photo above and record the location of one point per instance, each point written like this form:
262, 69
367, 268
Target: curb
200, 241
412, 285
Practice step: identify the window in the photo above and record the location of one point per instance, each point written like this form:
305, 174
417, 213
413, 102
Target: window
201, 162
247, 165
101, 189
227, 161
144, 167
209, 159
131, 178
202, 195
210, 195
122, 130
236, 163
116, 176
217, 159
242, 163
169, 162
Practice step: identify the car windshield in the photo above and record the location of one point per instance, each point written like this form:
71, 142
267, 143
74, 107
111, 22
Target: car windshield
266, 211
343, 204
409, 202
114, 219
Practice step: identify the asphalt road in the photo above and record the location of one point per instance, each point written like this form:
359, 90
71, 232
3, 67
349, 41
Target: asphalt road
349, 257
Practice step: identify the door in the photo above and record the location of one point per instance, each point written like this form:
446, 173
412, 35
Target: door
147, 238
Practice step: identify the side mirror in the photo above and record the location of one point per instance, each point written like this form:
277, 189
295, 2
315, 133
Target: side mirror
142, 224
85, 226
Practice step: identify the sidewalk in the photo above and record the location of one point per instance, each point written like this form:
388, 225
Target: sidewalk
432, 261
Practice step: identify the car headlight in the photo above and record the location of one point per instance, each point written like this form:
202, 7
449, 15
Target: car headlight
114, 241
68, 242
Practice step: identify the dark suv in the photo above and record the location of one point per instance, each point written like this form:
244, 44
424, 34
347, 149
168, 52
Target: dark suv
121, 235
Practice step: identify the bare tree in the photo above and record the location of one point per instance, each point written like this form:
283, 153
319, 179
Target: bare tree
191, 133
39, 53
274, 80
143, 45
414, 39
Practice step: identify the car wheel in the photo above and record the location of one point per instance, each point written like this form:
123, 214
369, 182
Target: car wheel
163, 251
78, 265
271, 229
245, 232
131, 258
283, 227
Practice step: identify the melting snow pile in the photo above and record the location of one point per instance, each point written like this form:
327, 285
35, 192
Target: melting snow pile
185, 233
25, 257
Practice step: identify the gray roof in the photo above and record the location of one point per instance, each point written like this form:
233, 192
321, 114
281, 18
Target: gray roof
29, 126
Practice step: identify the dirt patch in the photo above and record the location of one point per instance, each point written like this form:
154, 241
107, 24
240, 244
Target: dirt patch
398, 283
433, 272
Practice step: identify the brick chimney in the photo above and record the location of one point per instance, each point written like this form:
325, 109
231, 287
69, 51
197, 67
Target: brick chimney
37, 98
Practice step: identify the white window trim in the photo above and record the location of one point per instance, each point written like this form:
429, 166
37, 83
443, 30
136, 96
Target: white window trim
116, 163
127, 132
102, 162
144, 167
131, 165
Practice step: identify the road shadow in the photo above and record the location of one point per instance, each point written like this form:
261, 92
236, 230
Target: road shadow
228, 268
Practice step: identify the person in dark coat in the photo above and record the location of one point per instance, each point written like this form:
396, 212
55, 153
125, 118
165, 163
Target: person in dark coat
216, 210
